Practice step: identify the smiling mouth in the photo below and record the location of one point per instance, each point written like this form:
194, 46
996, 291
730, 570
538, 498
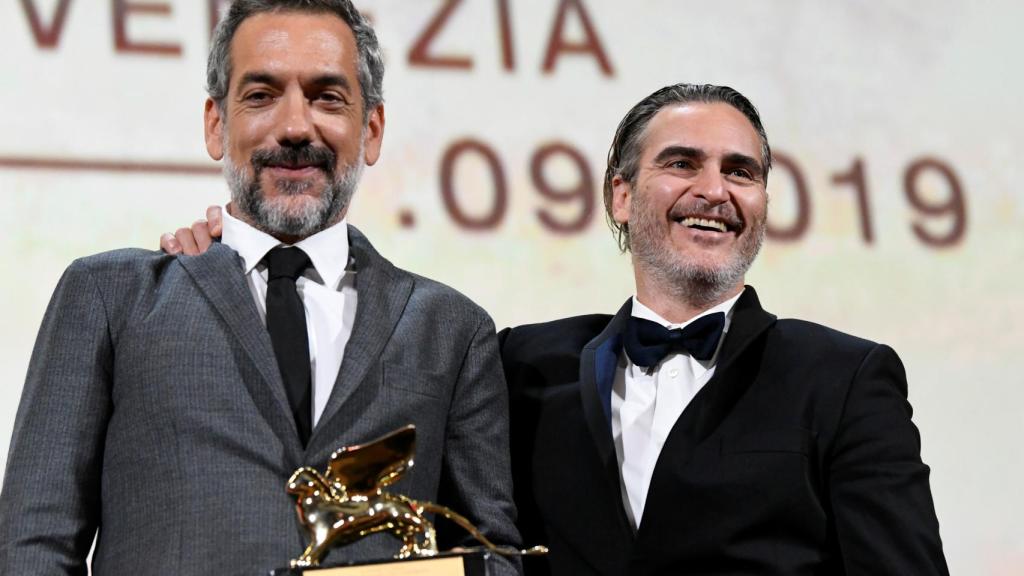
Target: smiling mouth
705, 224
297, 170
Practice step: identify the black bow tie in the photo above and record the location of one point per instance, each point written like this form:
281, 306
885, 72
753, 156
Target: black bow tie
648, 343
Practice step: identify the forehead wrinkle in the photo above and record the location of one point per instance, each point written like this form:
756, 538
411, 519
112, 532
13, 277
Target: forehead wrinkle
686, 124
271, 39
324, 48
321, 54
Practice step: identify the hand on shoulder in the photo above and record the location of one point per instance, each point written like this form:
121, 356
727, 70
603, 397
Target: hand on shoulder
196, 239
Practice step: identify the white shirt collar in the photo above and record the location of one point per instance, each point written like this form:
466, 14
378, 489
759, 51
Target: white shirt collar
641, 311
327, 249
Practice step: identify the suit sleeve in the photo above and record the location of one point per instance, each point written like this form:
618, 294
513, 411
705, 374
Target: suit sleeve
476, 476
884, 516
50, 504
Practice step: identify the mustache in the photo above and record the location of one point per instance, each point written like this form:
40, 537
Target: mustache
298, 157
700, 208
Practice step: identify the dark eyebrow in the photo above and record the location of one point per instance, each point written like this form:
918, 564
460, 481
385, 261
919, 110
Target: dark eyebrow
257, 78
328, 80
736, 159
679, 152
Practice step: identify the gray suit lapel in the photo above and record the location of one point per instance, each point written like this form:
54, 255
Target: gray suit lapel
383, 293
218, 274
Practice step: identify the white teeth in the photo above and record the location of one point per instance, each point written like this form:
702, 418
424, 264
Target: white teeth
703, 222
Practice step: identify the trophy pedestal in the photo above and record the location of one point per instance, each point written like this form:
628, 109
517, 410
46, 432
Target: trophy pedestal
445, 564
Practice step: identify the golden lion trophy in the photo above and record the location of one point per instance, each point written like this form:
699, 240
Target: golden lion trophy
348, 503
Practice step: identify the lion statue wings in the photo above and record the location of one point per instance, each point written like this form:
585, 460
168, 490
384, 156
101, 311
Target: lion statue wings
348, 502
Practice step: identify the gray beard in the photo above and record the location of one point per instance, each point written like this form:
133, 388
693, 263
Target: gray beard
277, 219
697, 285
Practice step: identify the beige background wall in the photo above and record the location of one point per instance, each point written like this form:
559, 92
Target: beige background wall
932, 84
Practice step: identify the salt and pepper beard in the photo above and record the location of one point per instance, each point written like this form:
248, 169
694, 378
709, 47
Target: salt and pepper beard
275, 216
699, 285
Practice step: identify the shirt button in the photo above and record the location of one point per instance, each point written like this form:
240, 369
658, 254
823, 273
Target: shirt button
673, 373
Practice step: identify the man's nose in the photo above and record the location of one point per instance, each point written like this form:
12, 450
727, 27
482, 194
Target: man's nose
711, 185
295, 126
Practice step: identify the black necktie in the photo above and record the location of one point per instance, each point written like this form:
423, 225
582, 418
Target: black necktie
286, 322
647, 343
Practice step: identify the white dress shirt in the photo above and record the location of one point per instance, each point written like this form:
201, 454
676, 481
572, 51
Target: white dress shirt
646, 402
327, 291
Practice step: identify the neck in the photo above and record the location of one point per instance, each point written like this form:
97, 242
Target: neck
676, 303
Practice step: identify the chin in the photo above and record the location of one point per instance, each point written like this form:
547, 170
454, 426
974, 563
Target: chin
294, 203
705, 257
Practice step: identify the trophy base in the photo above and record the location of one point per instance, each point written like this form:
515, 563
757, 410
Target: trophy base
445, 564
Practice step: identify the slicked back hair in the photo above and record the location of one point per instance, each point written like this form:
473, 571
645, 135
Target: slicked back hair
627, 147
369, 65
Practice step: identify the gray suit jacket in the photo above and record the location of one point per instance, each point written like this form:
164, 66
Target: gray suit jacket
154, 412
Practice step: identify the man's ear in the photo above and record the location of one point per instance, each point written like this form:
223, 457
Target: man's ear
213, 126
373, 135
622, 199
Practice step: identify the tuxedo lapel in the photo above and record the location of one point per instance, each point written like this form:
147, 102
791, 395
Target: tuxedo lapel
738, 363
220, 277
598, 363
597, 373
383, 292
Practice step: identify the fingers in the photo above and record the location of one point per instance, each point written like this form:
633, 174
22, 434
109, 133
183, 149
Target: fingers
196, 239
201, 233
215, 221
169, 244
187, 241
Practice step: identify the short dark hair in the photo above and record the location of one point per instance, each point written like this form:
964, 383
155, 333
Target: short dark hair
370, 63
624, 154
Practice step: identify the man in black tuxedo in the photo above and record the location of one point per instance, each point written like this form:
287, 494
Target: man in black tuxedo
693, 432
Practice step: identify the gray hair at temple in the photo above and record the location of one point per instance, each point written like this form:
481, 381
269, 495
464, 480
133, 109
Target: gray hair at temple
627, 147
370, 64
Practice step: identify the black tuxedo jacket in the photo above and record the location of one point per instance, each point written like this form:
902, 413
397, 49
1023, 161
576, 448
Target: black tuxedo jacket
798, 457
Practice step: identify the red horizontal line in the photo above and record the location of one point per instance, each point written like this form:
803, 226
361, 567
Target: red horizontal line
120, 166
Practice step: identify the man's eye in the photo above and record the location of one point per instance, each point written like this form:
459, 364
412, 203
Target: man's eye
740, 173
330, 98
681, 164
257, 97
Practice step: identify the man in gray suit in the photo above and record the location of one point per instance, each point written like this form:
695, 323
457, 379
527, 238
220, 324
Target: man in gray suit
158, 411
